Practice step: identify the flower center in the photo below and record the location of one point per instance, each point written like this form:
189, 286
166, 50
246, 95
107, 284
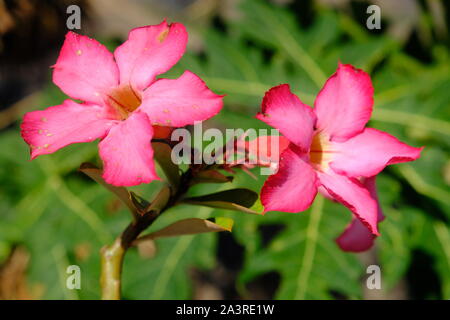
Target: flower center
124, 100
321, 152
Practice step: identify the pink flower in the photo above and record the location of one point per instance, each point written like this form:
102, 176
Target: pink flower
262, 151
122, 99
331, 151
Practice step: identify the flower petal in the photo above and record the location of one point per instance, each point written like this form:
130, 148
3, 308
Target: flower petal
357, 237
293, 188
263, 149
179, 102
344, 104
127, 153
354, 195
49, 130
150, 51
85, 69
368, 153
284, 111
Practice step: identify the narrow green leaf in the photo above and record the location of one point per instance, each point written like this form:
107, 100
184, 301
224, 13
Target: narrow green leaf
235, 199
162, 154
139, 202
189, 227
211, 176
121, 192
160, 200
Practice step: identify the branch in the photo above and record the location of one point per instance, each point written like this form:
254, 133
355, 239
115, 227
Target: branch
112, 256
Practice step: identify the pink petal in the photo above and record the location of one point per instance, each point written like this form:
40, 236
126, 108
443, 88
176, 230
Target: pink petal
150, 51
293, 188
370, 184
127, 153
344, 104
284, 111
262, 147
357, 237
179, 102
49, 130
368, 153
352, 194
85, 69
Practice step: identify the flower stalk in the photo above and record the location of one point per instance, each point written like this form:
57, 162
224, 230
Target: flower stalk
112, 256
111, 270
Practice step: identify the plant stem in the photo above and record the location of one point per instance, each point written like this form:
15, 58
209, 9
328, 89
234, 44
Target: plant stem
112, 256
111, 262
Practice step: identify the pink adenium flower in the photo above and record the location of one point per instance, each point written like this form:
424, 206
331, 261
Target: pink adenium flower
121, 100
262, 151
332, 152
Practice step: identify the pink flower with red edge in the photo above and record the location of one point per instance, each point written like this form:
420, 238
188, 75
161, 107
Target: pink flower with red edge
332, 152
121, 100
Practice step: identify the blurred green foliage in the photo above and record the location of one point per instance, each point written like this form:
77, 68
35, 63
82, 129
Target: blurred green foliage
57, 213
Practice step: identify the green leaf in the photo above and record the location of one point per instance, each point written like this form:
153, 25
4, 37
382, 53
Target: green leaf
121, 192
162, 154
139, 202
211, 176
235, 199
160, 201
188, 227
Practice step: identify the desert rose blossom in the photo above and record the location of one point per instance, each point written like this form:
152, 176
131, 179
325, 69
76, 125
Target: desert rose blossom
121, 100
332, 152
262, 150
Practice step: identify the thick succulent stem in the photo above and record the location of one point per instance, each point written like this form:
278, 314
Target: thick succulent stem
111, 270
112, 256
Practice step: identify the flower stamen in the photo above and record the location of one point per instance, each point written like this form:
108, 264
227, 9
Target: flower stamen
321, 152
124, 100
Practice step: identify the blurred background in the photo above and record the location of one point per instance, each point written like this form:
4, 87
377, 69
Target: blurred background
52, 216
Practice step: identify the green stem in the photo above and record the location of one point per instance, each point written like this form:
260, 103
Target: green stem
112, 256
111, 270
